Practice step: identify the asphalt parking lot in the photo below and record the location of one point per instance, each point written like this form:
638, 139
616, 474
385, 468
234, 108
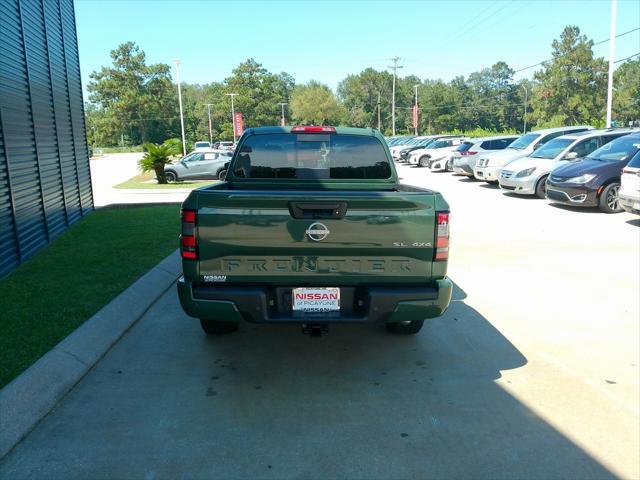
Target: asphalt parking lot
532, 373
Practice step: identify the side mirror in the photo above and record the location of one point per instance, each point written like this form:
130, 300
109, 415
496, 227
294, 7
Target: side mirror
570, 156
537, 146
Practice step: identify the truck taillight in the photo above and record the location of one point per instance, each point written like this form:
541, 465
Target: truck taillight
442, 237
188, 245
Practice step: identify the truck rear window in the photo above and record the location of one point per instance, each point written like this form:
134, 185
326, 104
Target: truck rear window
309, 156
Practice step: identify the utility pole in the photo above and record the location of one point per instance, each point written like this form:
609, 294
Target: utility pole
612, 52
415, 127
379, 124
233, 115
526, 92
282, 119
208, 105
184, 142
395, 67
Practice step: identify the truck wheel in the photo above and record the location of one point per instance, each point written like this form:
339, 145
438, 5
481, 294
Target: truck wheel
423, 162
541, 187
608, 201
405, 328
171, 176
217, 327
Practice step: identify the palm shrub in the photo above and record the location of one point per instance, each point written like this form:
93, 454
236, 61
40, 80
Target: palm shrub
157, 156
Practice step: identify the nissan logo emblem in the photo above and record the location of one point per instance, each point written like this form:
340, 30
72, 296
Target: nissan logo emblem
317, 231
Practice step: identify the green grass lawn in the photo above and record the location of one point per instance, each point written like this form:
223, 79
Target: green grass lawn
54, 292
143, 181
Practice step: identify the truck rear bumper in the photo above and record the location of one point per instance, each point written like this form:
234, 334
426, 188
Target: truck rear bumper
268, 304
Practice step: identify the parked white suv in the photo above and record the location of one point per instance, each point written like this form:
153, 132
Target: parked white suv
201, 146
488, 166
629, 193
437, 154
466, 155
528, 175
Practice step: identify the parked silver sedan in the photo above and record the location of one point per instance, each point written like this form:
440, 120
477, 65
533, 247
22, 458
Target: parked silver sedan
209, 165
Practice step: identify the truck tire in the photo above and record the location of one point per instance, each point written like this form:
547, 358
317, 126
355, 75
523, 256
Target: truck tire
608, 201
405, 328
217, 327
171, 176
541, 187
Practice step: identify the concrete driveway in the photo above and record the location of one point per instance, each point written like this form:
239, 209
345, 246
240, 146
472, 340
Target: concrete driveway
115, 168
532, 373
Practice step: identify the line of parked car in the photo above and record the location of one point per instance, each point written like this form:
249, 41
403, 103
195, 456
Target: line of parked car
576, 165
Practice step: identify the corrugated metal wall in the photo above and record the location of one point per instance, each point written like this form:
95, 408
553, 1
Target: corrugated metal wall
45, 182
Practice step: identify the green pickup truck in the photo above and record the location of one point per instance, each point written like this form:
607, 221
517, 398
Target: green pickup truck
312, 227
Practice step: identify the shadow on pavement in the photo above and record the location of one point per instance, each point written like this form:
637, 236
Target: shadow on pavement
167, 401
570, 208
634, 221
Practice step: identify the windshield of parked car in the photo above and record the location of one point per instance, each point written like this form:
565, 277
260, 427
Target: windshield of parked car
424, 142
440, 144
552, 149
464, 146
524, 141
635, 161
621, 149
309, 156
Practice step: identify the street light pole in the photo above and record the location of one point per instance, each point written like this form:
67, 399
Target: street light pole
415, 126
395, 67
526, 93
233, 115
612, 52
282, 120
208, 105
184, 142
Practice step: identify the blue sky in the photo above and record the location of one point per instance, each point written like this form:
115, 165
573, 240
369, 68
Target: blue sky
327, 40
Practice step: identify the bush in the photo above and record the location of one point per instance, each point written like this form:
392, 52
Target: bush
157, 156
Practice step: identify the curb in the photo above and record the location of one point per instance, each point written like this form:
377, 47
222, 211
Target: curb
33, 394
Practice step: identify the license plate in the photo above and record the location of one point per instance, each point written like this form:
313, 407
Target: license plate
316, 299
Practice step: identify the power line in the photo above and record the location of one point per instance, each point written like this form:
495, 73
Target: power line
630, 56
492, 15
597, 43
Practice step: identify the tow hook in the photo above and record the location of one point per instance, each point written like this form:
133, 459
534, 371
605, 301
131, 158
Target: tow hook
315, 329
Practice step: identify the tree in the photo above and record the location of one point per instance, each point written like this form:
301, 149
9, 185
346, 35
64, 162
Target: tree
134, 98
157, 156
495, 98
360, 94
259, 93
315, 103
626, 93
572, 86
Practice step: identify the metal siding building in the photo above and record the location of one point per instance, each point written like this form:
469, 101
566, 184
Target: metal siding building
45, 182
